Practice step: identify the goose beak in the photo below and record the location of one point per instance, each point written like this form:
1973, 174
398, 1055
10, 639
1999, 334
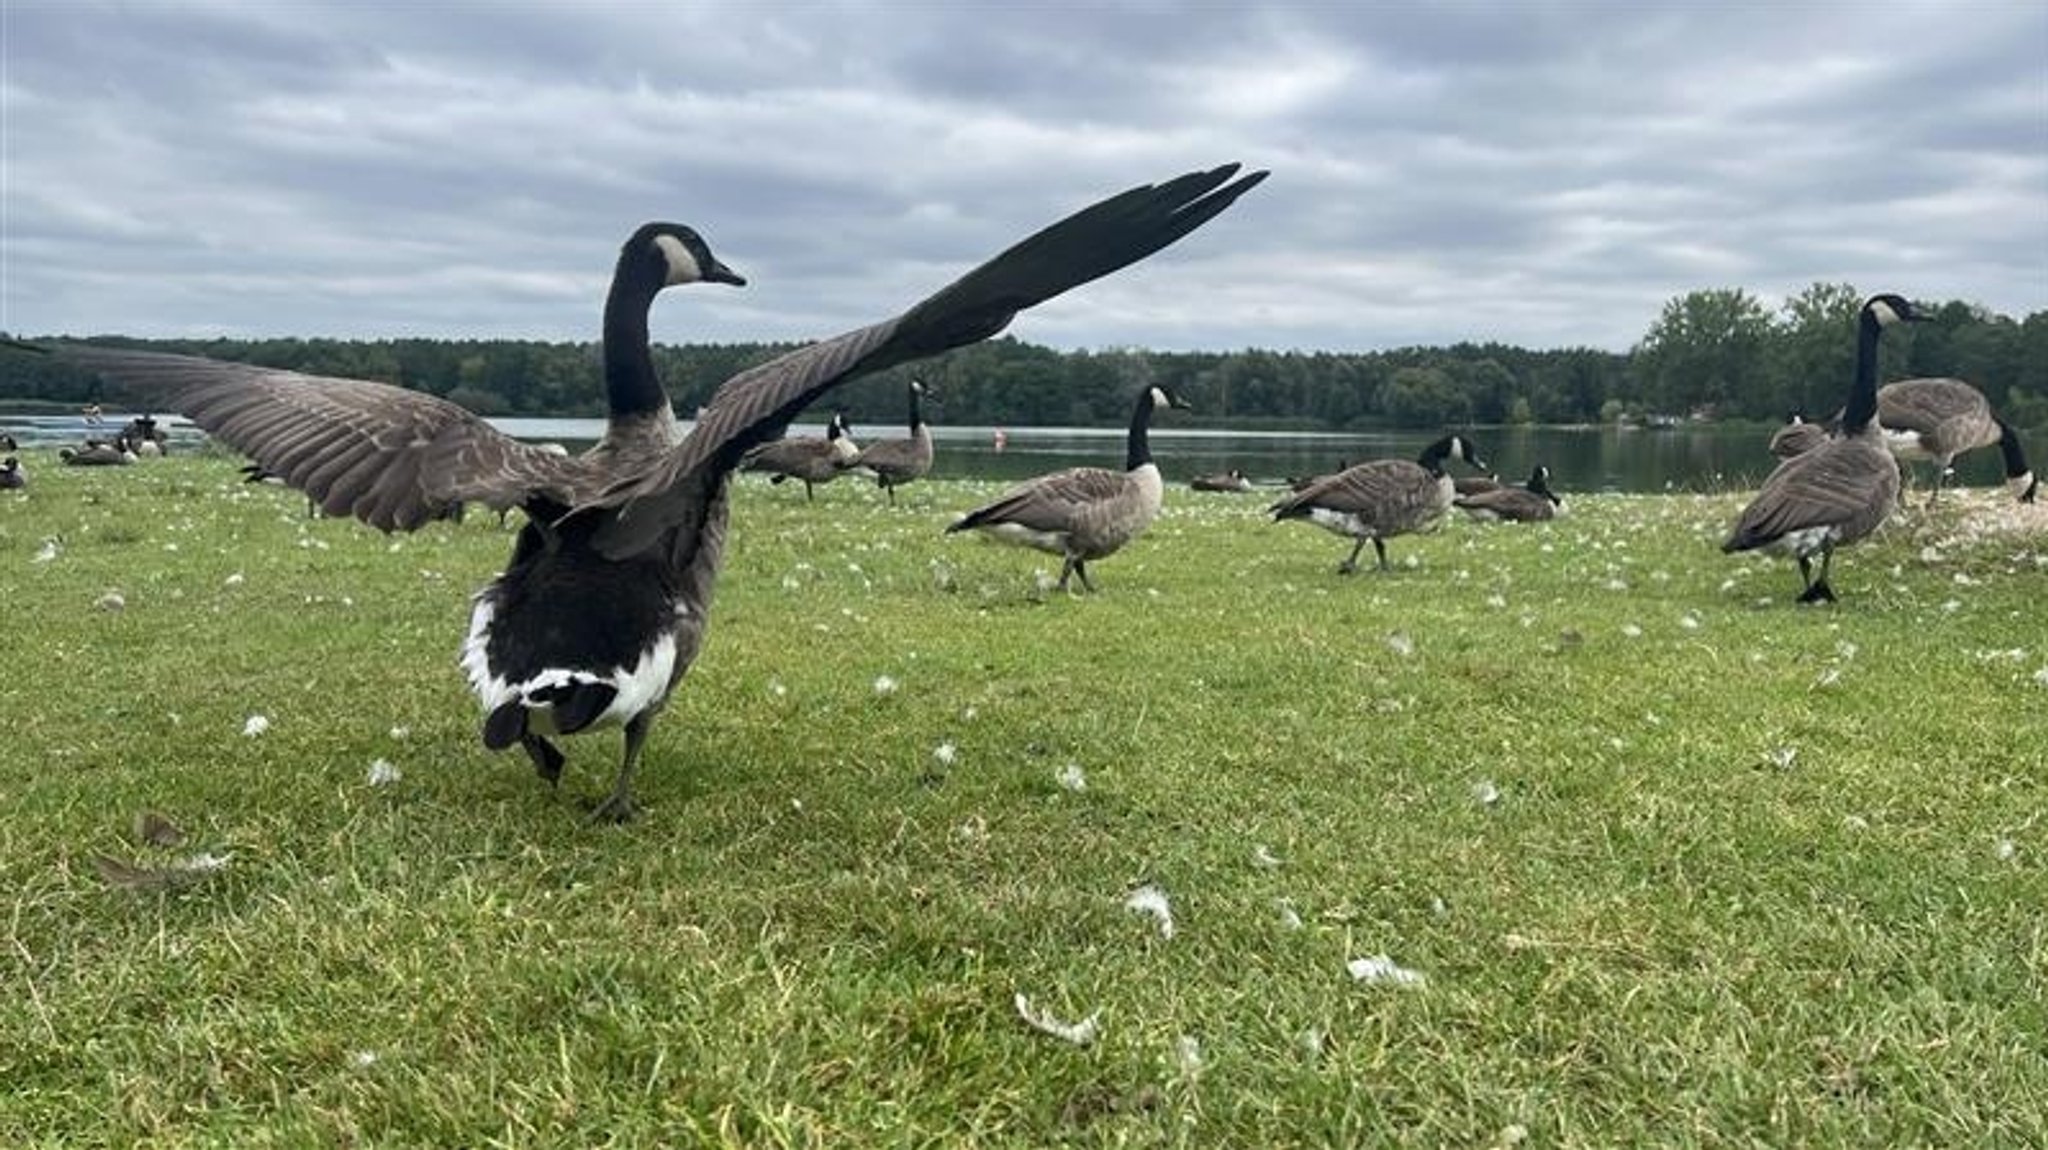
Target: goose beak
718, 273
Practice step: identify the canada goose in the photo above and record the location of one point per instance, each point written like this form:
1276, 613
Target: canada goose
1797, 437
1232, 480
1474, 484
603, 604
1083, 513
809, 458
899, 461
1840, 491
1939, 419
1381, 498
1531, 501
7, 443
97, 453
12, 477
145, 437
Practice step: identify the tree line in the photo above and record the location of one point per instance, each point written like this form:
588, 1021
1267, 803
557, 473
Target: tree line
1718, 354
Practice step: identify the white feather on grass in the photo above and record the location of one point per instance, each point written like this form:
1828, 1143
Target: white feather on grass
1381, 969
1150, 900
255, 725
1079, 1033
1071, 777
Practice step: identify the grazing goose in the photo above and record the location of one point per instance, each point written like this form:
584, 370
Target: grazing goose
1939, 419
1232, 480
12, 477
810, 458
899, 461
1083, 513
603, 605
1531, 501
1840, 491
1797, 437
1381, 498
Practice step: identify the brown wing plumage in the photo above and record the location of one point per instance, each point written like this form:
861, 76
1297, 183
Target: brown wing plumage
393, 458
1517, 503
757, 404
1849, 484
1049, 502
1391, 495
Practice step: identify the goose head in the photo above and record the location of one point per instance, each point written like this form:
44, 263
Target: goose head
837, 427
1157, 397
1539, 482
672, 254
1449, 447
1887, 308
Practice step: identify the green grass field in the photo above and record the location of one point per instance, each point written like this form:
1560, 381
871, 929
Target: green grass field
1677, 862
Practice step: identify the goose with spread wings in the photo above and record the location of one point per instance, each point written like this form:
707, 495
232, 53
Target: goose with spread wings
604, 603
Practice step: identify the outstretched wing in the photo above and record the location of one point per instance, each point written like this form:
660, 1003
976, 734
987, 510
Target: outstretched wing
393, 458
758, 404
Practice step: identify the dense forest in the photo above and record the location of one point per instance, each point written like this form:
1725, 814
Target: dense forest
1713, 354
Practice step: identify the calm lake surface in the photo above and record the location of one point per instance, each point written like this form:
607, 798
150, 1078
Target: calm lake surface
1580, 459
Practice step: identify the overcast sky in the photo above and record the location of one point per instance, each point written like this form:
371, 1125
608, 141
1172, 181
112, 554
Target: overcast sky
1544, 172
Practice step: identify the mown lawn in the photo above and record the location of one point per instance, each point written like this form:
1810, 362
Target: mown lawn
1675, 861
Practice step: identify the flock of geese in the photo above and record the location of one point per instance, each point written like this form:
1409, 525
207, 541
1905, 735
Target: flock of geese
604, 602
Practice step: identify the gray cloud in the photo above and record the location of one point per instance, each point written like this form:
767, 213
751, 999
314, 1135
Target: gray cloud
1541, 173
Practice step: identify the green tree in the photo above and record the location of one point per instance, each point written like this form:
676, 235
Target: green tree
1705, 351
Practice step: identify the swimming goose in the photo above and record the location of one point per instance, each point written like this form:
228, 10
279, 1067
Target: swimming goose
1232, 480
1840, 491
1939, 419
1531, 501
810, 458
12, 477
1381, 498
603, 605
1083, 513
1797, 438
895, 462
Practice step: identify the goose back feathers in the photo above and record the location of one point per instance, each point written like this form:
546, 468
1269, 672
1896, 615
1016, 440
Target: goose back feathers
1939, 419
603, 604
1840, 491
1796, 438
1381, 498
1083, 513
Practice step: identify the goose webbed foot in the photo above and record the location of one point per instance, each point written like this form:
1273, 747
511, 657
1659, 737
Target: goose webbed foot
1818, 592
547, 760
617, 809
1350, 564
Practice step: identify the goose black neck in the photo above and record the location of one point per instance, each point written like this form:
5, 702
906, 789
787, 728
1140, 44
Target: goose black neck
1433, 456
2009, 446
1862, 407
916, 409
630, 384
1138, 453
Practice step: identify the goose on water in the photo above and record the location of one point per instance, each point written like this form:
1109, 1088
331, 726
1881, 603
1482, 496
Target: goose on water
1841, 490
1083, 513
1381, 498
603, 605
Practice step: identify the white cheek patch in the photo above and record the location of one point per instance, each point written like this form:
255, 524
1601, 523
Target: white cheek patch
1884, 312
682, 266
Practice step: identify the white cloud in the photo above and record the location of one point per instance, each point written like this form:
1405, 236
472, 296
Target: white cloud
1540, 173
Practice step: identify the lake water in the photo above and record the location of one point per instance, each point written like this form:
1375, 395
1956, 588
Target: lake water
1580, 459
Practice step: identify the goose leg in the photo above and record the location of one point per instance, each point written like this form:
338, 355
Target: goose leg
618, 806
1081, 569
891, 489
809, 495
1066, 569
1350, 564
1381, 549
547, 761
1817, 590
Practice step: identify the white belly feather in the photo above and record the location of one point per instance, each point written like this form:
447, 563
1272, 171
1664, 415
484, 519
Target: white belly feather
639, 686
